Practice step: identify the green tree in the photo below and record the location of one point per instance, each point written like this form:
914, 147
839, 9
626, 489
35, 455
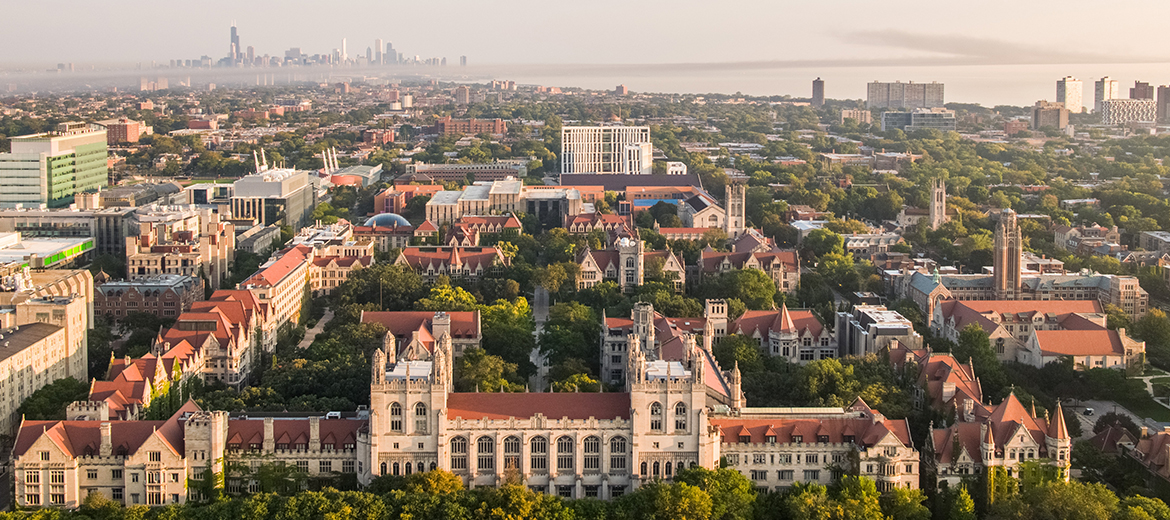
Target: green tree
820, 242
737, 348
662, 501
962, 507
434, 482
447, 298
479, 371
733, 496
49, 402
904, 504
579, 382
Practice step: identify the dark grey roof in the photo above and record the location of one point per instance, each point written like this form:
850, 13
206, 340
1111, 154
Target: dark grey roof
12, 341
613, 182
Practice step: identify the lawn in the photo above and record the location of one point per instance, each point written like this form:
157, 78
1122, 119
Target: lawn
1147, 408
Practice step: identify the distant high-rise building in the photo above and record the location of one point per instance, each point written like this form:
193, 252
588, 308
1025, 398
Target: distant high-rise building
462, 95
251, 54
606, 149
378, 51
463, 61
392, 56
235, 44
344, 54
920, 119
621, 90
1053, 115
904, 95
369, 55
50, 168
1122, 111
1105, 88
818, 96
1164, 104
1069, 92
1141, 90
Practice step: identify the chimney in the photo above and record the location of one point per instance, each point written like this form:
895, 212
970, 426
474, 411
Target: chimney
269, 439
314, 433
107, 445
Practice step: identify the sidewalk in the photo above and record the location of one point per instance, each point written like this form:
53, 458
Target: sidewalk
312, 333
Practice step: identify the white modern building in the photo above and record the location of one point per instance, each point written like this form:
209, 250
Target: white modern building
279, 196
1122, 111
1069, 92
624, 150
1106, 88
48, 169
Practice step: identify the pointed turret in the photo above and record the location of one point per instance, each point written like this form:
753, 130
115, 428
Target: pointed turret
785, 319
1056, 428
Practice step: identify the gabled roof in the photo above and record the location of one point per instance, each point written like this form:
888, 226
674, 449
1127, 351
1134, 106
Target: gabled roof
866, 432
760, 323
464, 324
1079, 342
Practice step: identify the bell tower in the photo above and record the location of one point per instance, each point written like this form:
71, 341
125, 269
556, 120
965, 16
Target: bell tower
1009, 248
938, 203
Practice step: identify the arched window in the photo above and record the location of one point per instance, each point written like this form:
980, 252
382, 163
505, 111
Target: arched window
485, 449
565, 448
592, 460
538, 448
395, 468
407, 468
458, 454
433, 466
395, 417
643, 473
680, 416
420, 418
383, 469
512, 453
668, 472
656, 417
617, 454
656, 468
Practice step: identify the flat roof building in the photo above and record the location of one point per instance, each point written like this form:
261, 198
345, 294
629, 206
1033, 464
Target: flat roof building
623, 150
48, 169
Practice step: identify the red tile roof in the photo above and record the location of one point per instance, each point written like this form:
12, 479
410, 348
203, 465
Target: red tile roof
710, 260
783, 320
288, 262
865, 432
464, 324
474, 406
1079, 342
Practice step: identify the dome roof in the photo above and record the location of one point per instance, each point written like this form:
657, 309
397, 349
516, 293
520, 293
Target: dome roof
386, 220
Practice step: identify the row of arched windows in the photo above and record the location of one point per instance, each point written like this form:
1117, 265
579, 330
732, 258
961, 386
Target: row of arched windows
485, 448
410, 468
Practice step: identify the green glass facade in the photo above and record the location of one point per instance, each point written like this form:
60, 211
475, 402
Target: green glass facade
83, 169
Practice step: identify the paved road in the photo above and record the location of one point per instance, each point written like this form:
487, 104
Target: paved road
540, 306
312, 333
1103, 407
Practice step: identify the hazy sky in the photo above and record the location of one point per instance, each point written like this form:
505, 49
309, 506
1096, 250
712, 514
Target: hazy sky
597, 31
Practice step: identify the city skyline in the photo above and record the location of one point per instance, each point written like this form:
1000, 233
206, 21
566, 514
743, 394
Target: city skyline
969, 39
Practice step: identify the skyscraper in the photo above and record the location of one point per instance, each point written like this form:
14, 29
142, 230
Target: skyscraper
392, 56
235, 44
463, 61
606, 149
1141, 90
1105, 88
818, 96
904, 95
344, 54
1068, 91
378, 51
1163, 104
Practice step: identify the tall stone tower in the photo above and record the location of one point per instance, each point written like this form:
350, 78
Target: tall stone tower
735, 222
938, 203
1009, 246
643, 316
631, 263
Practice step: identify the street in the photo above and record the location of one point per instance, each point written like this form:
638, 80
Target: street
539, 315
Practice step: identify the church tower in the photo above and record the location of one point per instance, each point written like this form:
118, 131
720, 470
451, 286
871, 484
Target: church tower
631, 263
1009, 247
735, 222
938, 203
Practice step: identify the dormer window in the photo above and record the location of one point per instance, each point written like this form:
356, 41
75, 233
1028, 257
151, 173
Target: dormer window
823, 438
770, 439
797, 439
745, 439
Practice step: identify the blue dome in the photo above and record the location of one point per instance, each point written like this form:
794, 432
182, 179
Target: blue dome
386, 220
